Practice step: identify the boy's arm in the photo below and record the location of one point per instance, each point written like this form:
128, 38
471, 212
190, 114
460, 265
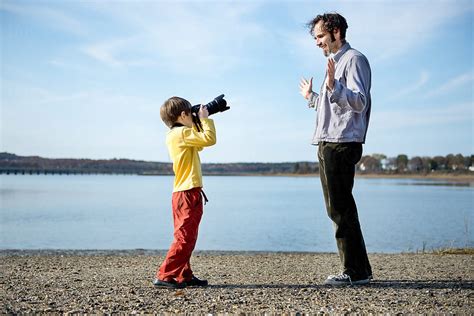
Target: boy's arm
206, 138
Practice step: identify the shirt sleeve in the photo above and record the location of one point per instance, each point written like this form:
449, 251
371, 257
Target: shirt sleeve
206, 138
313, 100
356, 90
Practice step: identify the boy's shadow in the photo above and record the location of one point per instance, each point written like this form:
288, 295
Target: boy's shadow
397, 284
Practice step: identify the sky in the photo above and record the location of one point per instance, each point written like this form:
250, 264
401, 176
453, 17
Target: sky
86, 79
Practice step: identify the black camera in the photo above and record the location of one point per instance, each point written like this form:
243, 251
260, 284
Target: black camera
216, 105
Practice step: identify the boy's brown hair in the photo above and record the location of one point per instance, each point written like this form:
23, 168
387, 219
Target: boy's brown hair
172, 108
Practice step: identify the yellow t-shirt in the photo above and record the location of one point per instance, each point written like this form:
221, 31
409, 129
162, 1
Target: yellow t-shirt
184, 143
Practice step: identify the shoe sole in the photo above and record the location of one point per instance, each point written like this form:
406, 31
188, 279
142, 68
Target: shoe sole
361, 282
169, 286
334, 283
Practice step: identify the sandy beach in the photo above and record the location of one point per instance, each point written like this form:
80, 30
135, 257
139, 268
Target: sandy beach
240, 282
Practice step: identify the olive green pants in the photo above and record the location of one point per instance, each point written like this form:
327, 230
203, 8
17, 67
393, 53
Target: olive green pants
337, 170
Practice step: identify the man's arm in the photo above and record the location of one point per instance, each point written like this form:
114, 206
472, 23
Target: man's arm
313, 101
357, 88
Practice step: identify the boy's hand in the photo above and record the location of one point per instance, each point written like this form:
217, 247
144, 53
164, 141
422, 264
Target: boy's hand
203, 112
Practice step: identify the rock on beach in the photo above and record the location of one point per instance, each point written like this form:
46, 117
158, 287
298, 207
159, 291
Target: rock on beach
240, 282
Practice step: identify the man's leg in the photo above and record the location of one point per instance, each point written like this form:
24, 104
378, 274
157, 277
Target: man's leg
337, 171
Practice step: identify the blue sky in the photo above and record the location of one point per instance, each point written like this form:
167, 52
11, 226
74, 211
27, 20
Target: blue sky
85, 79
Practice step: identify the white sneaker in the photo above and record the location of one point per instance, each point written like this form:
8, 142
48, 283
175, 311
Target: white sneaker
344, 279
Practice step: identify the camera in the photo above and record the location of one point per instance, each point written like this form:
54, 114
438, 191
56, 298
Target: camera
216, 105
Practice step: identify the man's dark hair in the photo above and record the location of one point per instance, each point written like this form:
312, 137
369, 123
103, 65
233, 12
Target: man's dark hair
331, 21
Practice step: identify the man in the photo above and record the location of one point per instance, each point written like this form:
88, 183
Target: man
343, 110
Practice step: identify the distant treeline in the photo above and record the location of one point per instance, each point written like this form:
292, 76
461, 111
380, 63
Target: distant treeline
13, 164
377, 163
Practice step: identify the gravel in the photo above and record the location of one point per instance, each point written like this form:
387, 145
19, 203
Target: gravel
240, 282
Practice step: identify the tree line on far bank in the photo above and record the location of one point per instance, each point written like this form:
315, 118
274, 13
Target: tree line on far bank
369, 164
404, 164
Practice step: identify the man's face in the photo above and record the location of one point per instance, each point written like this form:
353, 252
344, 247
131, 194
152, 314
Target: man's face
324, 39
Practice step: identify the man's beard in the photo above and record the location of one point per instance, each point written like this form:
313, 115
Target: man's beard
328, 50
330, 47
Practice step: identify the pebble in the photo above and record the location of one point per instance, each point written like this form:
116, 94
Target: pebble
240, 283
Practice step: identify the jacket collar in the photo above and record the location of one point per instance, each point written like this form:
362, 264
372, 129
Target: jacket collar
341, 52
176, 125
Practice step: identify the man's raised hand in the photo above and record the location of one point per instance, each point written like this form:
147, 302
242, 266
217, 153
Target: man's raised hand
306, 87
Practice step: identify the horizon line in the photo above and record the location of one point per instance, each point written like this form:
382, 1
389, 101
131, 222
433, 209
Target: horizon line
229, 162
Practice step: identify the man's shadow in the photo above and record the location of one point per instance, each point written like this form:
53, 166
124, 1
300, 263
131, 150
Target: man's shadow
397, 284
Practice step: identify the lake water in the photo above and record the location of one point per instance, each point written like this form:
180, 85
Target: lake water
244, 213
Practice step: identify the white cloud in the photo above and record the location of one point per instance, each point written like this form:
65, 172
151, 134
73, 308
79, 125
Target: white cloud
399, 27
185, 37
413, 87
384, 30
418, 117
455, 83
108, 52
53, 17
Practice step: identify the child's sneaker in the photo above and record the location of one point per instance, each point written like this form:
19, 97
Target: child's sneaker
196, 282
168, 284
344, 279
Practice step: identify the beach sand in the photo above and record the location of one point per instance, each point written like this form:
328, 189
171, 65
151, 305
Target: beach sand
240, 282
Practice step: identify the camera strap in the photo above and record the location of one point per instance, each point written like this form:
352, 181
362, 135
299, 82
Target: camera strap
204, 196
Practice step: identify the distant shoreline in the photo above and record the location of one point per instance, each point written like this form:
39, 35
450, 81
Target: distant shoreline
464, 178
457, 178
434, 176
460, 178
452, 168
162, 252
448, 177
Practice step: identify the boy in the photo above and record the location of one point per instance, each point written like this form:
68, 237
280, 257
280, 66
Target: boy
184, 142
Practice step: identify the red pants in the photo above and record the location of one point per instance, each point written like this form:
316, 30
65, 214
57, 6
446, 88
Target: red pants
187, 213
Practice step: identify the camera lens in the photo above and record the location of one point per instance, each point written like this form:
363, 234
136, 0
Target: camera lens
216, 105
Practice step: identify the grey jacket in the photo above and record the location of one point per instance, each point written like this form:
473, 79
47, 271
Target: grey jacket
342, 115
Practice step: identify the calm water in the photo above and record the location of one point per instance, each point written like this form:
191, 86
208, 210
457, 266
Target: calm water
244, 213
